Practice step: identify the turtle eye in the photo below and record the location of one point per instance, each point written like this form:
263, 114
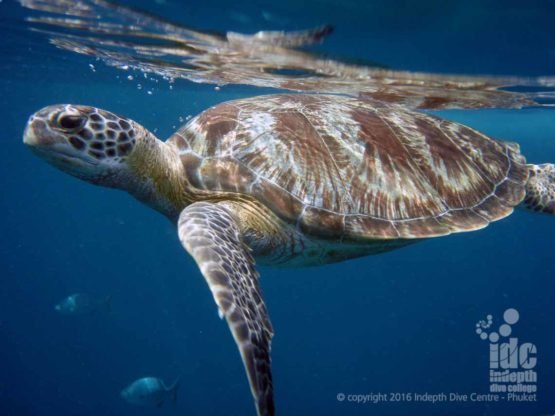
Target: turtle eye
71, 121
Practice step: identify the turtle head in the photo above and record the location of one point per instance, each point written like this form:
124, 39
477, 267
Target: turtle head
86, 142
105, 149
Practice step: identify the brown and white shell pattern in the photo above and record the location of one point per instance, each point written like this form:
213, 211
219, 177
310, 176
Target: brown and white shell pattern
340, 168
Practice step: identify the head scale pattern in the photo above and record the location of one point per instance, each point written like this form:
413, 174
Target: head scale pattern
98, 133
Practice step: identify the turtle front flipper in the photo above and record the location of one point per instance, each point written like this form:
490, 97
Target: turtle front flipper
210, 234
540, 189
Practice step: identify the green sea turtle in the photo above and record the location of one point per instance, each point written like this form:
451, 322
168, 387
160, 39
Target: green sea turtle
294, 180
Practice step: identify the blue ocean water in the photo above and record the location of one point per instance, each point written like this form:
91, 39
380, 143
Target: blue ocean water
402, 322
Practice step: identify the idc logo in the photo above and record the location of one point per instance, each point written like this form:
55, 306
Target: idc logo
512, 363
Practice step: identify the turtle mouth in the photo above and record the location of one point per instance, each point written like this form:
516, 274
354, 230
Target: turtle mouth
55, 150
71, 164
72, 159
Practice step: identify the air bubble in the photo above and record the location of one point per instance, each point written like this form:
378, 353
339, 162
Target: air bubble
217, 88
130, 77
91, 66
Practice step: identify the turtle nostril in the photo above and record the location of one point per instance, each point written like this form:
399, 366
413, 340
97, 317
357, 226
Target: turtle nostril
71, 121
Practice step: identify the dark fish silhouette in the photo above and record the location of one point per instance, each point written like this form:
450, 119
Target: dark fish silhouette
81, 303
150, 391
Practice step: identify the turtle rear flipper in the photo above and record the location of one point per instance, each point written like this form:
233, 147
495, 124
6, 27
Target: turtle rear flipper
540, 189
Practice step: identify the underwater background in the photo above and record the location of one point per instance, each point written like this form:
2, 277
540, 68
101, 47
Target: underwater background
398, 322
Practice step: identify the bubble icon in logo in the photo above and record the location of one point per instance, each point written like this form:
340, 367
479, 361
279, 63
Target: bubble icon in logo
510, 317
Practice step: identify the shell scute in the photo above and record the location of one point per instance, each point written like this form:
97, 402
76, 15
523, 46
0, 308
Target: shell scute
324, 224
491, 208
464, 220
357, 227
277, 199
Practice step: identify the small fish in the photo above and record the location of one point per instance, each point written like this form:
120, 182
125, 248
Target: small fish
81, 303
150, 391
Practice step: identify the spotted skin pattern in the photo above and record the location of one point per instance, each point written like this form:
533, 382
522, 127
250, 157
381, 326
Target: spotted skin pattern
540, 189
344, 169
103, 135
211, 236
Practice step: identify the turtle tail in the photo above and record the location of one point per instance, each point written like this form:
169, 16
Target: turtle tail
540, 189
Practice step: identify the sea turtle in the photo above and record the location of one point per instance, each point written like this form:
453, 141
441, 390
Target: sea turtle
294, 180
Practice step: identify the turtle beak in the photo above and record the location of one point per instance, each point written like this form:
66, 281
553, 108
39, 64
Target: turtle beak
29, 137
37, 133
41, 140
52, 145
34, 131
